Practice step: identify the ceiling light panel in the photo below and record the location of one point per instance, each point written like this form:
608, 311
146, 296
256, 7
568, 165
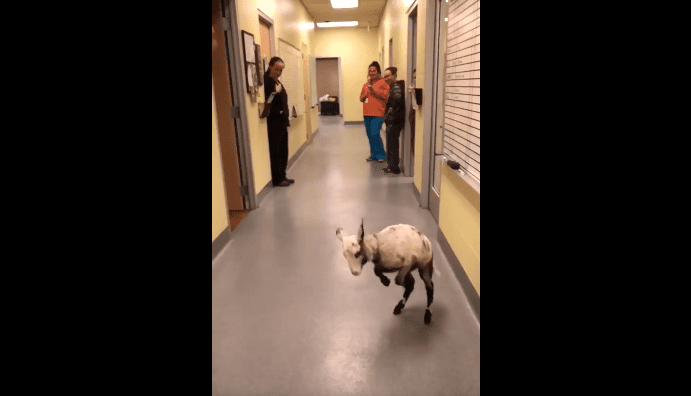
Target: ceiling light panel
337, 24
344, 3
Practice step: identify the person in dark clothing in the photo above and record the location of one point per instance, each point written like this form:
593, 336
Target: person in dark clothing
394, 118
277, 122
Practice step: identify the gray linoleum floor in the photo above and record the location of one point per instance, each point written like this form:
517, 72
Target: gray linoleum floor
288, 317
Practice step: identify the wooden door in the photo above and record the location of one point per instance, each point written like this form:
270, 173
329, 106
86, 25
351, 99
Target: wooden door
220, 72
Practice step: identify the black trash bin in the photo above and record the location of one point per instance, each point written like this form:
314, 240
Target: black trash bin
330, 108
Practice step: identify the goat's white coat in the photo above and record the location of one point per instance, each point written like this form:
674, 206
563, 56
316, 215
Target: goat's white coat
399, 247
395, 248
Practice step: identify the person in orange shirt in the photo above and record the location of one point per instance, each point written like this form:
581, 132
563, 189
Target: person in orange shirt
373, 96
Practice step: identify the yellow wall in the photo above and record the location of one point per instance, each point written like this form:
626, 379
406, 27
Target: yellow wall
459, 212
219, 217
459, 220
394, 24
291, 25
357, 48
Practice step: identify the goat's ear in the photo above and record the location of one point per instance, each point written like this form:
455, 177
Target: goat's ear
361, 232
339, 233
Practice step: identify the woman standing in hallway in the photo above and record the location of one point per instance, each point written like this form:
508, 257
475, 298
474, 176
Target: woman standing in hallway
277, 122
373, 96
394, 119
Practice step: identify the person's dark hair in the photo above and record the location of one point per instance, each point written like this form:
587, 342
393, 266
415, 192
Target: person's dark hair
272, 62
394, 70
376, 65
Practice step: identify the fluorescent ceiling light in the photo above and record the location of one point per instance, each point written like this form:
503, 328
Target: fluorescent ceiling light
344, 3
336, 24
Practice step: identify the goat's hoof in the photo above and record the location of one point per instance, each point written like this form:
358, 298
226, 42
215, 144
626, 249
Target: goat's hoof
398, 308
385, 281
428, 317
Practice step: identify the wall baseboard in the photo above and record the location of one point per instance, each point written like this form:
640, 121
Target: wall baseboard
295, 157
466, 285
220, 242
417, 194
264, 192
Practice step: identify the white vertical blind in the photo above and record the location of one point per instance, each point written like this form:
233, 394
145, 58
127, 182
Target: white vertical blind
292, 77
462, 88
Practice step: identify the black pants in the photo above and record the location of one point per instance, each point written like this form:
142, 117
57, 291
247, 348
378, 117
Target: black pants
393, 135
278, 150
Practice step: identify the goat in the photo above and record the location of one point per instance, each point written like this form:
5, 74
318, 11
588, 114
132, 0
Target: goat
399, 248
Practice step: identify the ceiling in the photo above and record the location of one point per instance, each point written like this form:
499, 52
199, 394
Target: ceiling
368, 12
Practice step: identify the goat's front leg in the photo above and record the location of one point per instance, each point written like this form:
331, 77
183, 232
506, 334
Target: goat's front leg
380, 274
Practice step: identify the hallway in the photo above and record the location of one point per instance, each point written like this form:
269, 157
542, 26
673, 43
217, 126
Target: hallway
288, 317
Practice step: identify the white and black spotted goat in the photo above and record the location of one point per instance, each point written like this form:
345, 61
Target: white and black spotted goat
399, 248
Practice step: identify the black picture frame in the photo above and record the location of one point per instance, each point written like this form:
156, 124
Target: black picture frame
250, 58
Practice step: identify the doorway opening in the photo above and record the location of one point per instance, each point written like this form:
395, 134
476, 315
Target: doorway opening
408, 146
329, 82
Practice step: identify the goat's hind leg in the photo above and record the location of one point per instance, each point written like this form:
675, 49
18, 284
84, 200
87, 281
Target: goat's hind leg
409, 284
426, 275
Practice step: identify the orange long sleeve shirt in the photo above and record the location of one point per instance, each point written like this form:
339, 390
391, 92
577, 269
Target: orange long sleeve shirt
374, 104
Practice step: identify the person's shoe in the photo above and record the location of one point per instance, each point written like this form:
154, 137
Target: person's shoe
282, 184
291, 181
371, 159
387, 170
381, 161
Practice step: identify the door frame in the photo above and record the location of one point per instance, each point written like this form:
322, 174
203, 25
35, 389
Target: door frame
429, 108
234, 46
411, 61
306, 73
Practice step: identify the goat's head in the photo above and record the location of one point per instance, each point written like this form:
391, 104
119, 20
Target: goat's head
353, 249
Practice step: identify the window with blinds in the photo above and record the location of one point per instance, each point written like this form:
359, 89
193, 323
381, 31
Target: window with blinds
462, 85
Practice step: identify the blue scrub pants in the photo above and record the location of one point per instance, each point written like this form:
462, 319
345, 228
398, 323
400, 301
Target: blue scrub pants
376, 146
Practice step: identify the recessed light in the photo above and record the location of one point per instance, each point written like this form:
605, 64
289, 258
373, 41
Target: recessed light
337, 24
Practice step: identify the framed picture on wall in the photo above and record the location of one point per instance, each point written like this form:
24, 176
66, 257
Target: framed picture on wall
258, 57
248, 44
251, 59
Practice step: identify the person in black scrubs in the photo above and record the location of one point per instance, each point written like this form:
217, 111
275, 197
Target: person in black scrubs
277, 122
